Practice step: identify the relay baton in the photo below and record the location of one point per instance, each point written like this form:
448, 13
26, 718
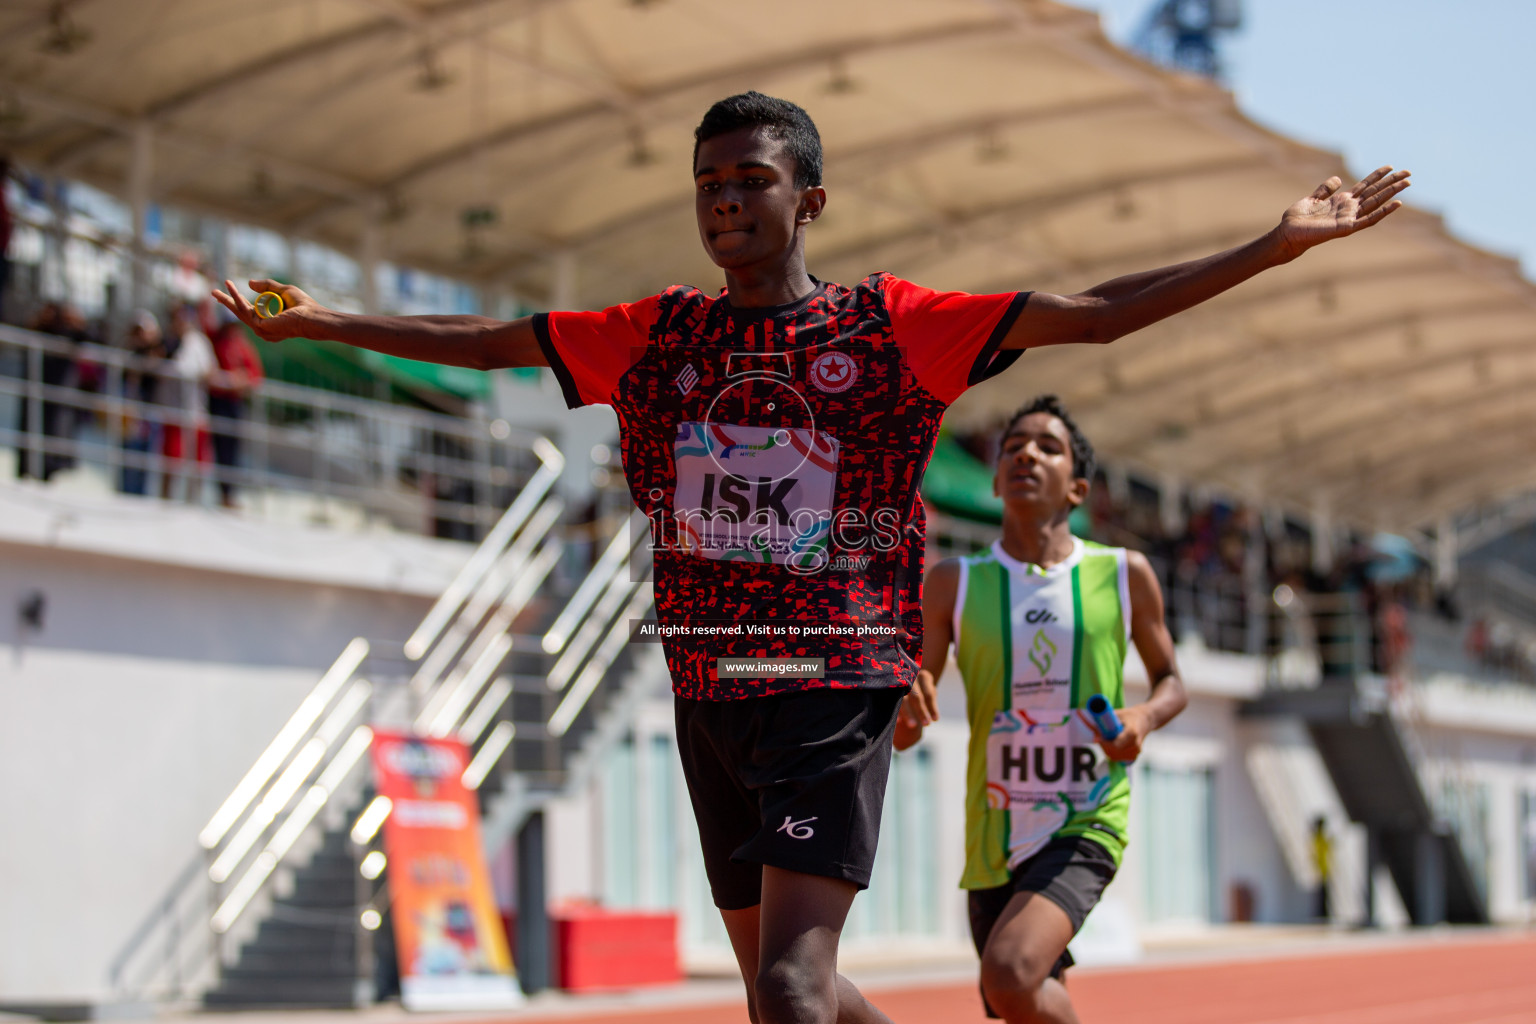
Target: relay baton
268, 305
1104, 717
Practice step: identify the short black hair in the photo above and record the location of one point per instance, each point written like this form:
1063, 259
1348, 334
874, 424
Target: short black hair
782, 120
1083, 462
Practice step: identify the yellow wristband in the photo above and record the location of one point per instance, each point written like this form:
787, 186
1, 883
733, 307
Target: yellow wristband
268, 305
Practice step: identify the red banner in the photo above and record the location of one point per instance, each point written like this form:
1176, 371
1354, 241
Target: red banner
448, 934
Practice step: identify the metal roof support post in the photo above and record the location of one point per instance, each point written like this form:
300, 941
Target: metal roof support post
141, 178
1445, 553
492, 299
291, 258
369, 245
1255, 579
1118, 481
1322, 536
216, 235
563, 294
1170, 504
54, 285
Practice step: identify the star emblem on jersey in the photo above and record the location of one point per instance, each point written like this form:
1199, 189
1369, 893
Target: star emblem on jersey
1041, 651
686, 379
834, 371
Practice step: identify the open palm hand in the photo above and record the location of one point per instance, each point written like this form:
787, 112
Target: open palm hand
1331, 212
290, 323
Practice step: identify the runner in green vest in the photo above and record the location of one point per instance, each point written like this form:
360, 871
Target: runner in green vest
1040, 623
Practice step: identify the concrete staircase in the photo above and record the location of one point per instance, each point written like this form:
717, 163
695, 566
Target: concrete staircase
1369, 760
306, 952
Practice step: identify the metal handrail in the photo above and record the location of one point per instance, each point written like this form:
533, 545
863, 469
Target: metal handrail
312, 756
314, 704
485, 555
294, 439
490, 590
597, 579
464, 640
516, 526
602, 659
485, 654
574, 636
163, 912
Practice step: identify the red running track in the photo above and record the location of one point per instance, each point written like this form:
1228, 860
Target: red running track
1457, 981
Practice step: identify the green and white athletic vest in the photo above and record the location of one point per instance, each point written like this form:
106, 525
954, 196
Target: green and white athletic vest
1033, 645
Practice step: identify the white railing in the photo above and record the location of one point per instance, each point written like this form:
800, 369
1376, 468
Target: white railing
595, 625
90, 409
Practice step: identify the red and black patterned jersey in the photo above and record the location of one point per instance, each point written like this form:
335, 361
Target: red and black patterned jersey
777, 453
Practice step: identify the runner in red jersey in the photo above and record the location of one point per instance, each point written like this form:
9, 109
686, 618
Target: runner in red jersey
777, 453
775, 435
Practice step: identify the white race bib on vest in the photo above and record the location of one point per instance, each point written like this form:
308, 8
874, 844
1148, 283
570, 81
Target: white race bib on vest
1043, 767
758, 494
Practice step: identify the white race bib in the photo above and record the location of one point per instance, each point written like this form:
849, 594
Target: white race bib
1043, 767
756, 494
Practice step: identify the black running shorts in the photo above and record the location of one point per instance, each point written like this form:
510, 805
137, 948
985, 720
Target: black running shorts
793, 780
1071, 872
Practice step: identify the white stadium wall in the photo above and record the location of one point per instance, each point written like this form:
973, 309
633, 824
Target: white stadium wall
174, 643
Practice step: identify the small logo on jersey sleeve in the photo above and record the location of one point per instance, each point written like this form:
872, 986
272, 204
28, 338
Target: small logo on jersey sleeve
834, 371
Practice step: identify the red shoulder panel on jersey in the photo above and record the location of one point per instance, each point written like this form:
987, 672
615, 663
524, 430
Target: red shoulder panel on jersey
589, 351
951, 339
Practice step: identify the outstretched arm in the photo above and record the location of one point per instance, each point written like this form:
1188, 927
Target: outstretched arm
478, 342
1149, 632
1116, 308
920, 708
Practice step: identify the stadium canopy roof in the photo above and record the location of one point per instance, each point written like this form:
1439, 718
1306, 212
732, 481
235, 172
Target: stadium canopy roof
982, 145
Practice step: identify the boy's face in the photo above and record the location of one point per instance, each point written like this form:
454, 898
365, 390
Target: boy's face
1035, 468
748, 207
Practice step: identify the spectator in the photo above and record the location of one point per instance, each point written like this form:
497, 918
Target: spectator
140, 433
1322, 863
1394, 638
1477, 639
228, 397
180, 389
7, 223
59, 371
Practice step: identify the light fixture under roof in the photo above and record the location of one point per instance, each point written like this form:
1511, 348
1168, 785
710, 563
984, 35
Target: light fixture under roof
261, 183
432, 76
841, 82
640, 152
991, 148
64, 36
13, 116
395, 208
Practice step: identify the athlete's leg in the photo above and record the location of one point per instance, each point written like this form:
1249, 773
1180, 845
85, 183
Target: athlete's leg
745, 930
743, 927
820, 757
796, 979
1025, 944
